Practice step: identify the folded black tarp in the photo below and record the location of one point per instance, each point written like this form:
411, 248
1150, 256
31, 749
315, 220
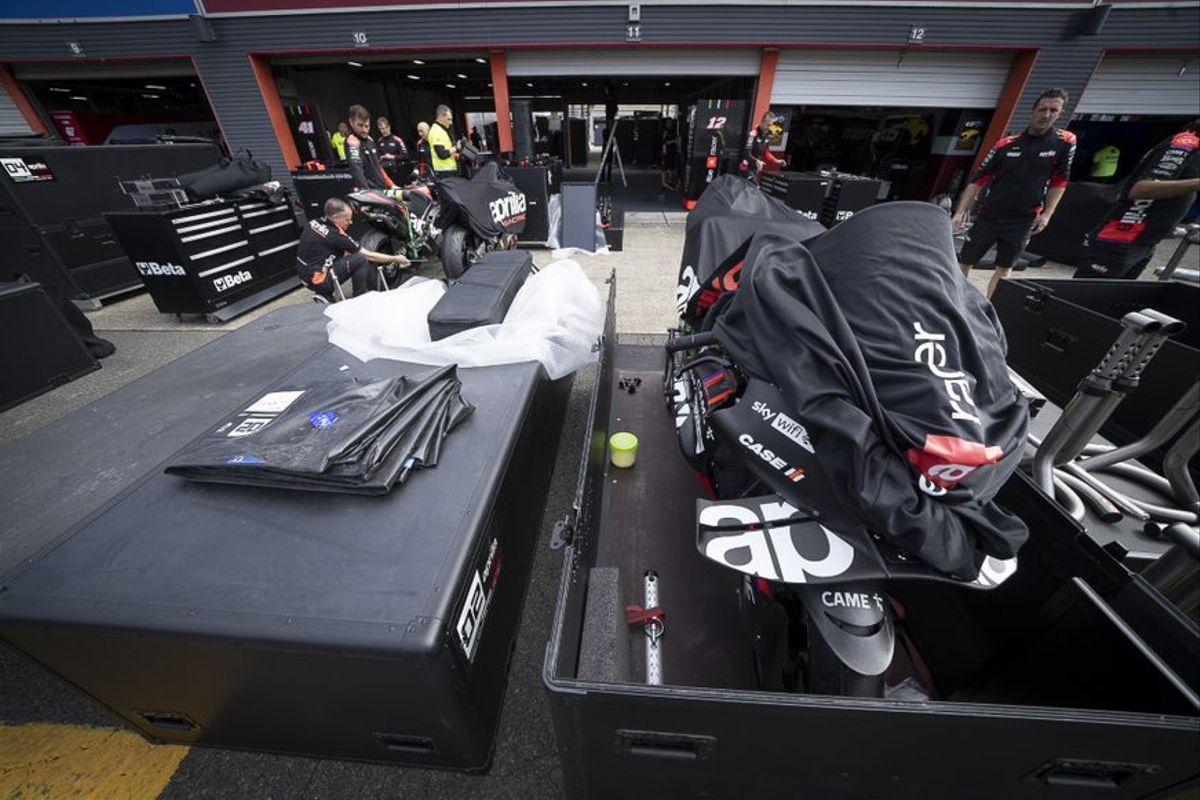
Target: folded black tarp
896, 367
341, 436
718, 229
489, 204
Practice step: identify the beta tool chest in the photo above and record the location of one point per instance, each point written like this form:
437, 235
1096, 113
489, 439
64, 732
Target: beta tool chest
220, 258
1074, 679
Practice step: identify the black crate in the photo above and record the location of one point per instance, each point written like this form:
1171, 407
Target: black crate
1060, 682
1058, 330
614, 234
314, 188
375, 628
61, 211
43, 350
537, 184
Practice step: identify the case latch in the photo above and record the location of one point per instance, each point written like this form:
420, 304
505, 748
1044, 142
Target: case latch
564, 531
1077, 773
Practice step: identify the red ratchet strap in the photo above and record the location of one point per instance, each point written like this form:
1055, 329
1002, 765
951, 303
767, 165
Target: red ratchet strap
636, 615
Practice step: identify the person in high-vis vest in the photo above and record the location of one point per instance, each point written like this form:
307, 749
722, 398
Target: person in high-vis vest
1104, 163
443, 154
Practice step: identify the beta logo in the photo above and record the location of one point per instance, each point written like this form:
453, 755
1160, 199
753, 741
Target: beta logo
509, 209
227, 282
153, 268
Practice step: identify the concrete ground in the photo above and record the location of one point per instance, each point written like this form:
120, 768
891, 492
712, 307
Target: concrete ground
55, 743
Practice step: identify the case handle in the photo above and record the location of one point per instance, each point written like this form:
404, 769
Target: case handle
1059, 341
1076, 774
169, 721
663, 744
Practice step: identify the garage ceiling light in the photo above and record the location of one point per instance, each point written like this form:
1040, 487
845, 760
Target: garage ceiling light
583, 84
451, 86
60, 89
464, 77
530, 85
78, 97
151, 96
668, 83
156, 86
354, 63
414, 77
418, 62
481, 60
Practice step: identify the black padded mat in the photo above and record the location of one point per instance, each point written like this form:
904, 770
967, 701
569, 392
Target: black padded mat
649, 523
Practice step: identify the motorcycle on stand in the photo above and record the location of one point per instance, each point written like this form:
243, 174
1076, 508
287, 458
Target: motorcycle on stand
477, 215
399, 222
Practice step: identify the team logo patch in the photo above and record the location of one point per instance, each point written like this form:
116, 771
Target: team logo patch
323, 419
245, 459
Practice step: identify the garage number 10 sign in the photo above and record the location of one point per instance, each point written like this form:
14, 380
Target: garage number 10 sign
360, 39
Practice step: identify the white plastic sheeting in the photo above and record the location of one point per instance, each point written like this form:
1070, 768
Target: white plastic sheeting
556, 319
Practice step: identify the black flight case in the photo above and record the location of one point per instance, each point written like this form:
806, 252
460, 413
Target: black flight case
1074, 679
52, 204
350, 627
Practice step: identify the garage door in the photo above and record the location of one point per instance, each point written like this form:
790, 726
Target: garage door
12, 121
644, 61
920, 79
1126, 83
164, 68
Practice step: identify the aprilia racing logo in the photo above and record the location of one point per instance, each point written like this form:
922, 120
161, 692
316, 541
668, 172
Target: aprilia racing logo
765, 549
508, 210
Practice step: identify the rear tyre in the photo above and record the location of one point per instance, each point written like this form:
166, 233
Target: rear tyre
455, 256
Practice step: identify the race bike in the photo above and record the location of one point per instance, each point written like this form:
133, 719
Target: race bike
814, 589
400, 222
478, 214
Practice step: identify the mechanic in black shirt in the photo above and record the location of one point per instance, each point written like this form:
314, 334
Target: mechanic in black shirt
1026, 176
393, 152
1157, 194
363, 155
423, 153
327, 254
758, 151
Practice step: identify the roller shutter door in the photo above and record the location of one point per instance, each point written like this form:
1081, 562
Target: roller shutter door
640, 61
916, 78
12, 121
159, 68
1126, 83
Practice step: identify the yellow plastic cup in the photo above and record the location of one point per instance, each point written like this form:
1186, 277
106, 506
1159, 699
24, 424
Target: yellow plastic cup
624, 448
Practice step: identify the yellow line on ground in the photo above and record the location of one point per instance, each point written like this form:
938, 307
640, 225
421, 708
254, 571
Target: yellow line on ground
53, 761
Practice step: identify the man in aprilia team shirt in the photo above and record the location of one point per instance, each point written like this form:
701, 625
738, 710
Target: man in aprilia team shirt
363, 155
758, 150
393, 152
1026, 176
326, 254
1154, 198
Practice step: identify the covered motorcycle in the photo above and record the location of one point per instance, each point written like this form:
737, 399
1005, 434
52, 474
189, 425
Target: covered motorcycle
718, 231
877, 383
478, 214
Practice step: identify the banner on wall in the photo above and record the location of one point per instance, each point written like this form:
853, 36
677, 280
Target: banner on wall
69, 10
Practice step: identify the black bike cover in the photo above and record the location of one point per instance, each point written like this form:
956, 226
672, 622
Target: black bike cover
343, 436
730, 211
489, 204
895, 367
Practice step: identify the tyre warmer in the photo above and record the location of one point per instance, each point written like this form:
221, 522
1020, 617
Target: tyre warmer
895, 366
719, 228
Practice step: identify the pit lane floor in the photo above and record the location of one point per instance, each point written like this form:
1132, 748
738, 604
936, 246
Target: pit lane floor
55, 743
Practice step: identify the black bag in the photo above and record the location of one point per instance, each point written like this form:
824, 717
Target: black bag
226, 176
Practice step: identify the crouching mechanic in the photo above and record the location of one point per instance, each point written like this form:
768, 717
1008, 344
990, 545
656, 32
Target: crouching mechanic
1026, 176
327, 255
1153, 200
